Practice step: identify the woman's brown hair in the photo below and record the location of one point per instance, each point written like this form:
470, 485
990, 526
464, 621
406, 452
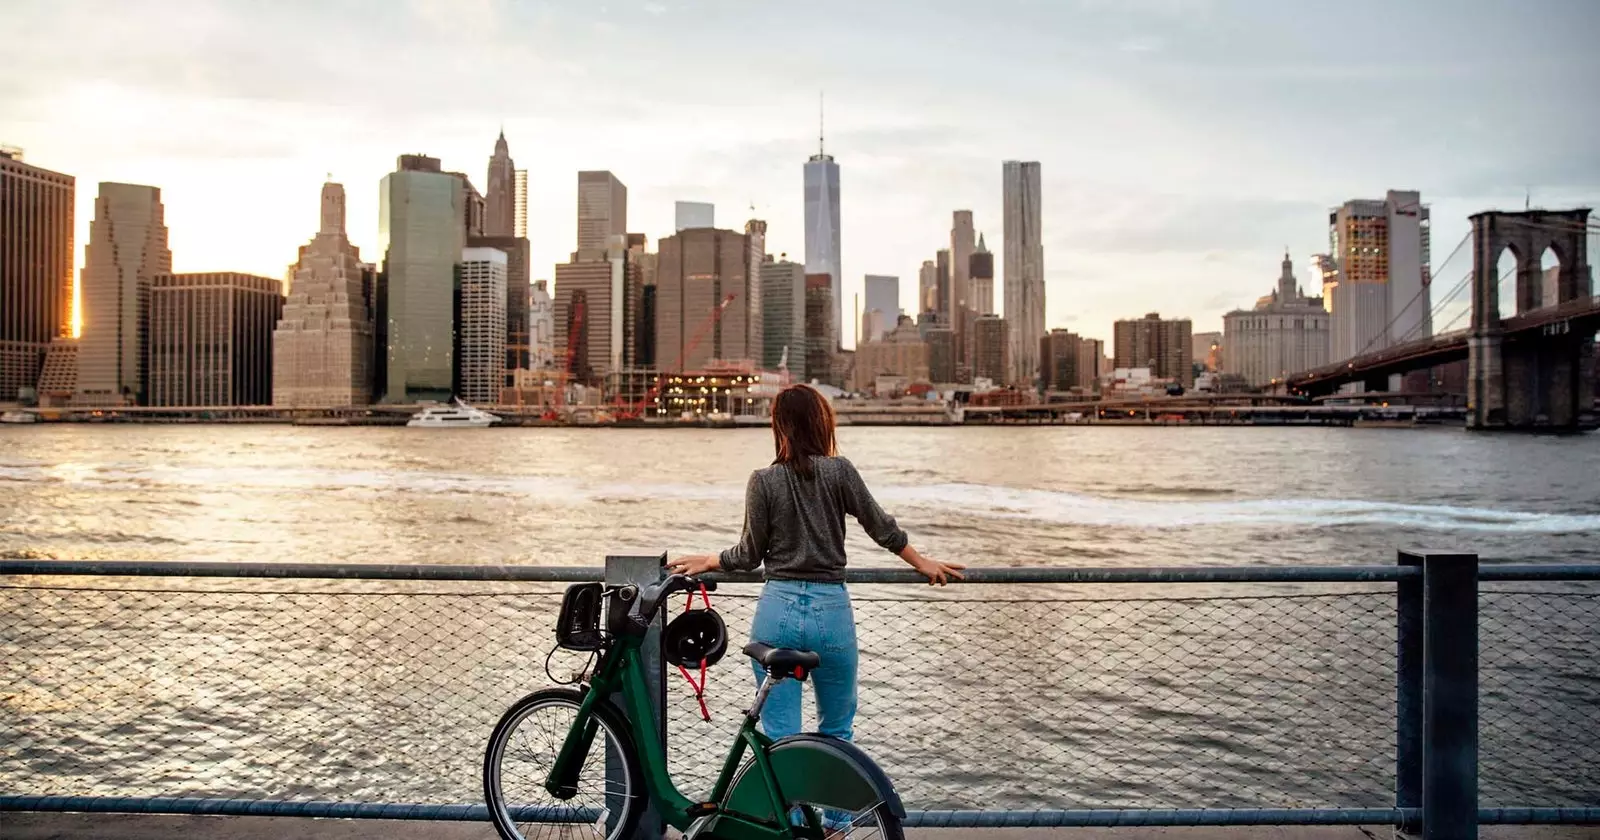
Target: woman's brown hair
802, 427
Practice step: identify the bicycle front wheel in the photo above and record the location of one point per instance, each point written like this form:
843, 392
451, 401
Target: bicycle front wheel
609, 793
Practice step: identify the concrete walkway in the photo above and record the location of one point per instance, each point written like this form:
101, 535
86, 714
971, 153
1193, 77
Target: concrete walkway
15, 826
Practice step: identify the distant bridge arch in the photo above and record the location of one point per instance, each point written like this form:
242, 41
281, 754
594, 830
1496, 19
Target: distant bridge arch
1540, 379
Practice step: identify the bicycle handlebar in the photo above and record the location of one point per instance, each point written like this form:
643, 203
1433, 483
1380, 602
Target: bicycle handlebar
654, 595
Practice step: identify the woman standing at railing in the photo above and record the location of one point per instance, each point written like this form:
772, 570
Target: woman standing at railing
794, 513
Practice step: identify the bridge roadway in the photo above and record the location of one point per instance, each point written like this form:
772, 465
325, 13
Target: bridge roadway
1219, 409
1574, 315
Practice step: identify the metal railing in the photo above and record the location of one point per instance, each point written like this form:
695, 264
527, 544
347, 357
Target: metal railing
1407, 694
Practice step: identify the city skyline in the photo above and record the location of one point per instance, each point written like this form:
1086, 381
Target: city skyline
1176, 148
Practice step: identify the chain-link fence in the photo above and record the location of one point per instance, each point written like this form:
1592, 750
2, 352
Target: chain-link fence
1539, 695
1011, 697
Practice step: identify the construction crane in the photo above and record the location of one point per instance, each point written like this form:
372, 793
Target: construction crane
633, 411
564, 374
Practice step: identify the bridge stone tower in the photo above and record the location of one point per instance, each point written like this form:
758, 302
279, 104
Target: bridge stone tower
1528, 380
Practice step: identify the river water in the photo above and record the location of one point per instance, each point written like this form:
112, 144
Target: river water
985, 496
1017, 697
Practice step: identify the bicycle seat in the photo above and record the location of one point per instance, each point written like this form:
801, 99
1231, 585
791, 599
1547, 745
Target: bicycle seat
782, 661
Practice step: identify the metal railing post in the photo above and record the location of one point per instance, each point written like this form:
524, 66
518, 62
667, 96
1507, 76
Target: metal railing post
1408, 692
1449, 696
643, 571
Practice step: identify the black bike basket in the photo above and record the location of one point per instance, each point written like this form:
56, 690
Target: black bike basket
578, 625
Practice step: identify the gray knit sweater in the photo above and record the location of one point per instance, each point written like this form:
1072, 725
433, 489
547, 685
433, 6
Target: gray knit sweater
795, 526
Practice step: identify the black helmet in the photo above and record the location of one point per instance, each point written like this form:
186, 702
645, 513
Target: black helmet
694, 637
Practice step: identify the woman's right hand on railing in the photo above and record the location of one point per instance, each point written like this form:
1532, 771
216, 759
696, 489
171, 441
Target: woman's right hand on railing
936, 572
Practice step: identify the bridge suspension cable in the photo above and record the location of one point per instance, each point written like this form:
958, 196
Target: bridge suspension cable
1586, 227
1438, 308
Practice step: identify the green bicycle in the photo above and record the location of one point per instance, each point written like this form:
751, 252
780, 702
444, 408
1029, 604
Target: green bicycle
543, 771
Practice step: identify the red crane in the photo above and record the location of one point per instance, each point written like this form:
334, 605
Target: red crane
634, 411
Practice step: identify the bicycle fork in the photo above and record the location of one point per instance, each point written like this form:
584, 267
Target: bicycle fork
563, 780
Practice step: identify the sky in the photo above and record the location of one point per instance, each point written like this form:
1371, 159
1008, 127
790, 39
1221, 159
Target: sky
1184, 144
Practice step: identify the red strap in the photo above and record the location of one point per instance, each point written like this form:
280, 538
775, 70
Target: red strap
700, 687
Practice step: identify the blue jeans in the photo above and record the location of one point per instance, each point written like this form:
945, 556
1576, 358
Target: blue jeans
809, 616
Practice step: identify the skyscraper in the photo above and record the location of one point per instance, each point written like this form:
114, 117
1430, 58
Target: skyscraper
962, 244
693, 214
927, 287
210, 338
945, 298
36, 227
696, 271
822, 230
598, 291
941, 340
981, 270
596, 296
1165, 347
991, 343
883, 295
1024, 266
1380, 243
127, 249
783, 315
421, 234
602, 211
517, 253
322, 347
1069, 361
750, 304
500, 214
962, 315
519, 225
474, 209
819, 349
541, 327
481, 325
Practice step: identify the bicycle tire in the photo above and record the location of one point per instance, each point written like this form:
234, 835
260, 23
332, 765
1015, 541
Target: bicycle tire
611, 722
848, 785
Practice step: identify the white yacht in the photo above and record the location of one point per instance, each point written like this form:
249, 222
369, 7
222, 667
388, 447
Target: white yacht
456, 415
18, 417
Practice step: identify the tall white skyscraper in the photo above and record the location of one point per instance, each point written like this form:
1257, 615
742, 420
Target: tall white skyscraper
1382, 273
822, 228
1024, 267
519, 227
883, 296
482, 328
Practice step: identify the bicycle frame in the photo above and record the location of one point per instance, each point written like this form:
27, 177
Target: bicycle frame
621, 670
749, 800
